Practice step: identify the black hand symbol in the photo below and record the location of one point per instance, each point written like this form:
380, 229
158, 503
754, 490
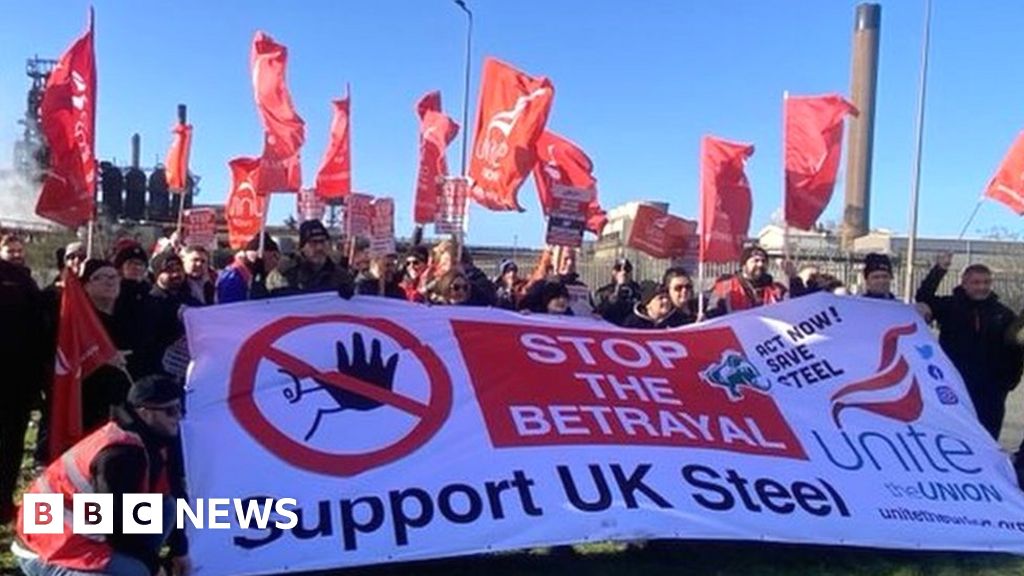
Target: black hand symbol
371, 369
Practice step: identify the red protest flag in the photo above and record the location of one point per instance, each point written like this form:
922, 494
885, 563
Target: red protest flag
813, 135
176, 166
334, 179
245, 208
511, 115
436, 132
82, 346
68, 120
560, 161
1007, 186
285, 131
725, 201
659, 234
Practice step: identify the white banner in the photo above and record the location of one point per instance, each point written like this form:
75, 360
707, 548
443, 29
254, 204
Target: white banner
407, 432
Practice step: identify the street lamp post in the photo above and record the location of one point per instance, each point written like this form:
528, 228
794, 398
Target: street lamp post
465, 92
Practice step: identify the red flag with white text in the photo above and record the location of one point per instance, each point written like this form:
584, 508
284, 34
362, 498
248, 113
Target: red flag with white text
83, 345
284, 130
245, 208
436, 132
68, 121
560, 161
725, 200
511, 115
334, 179
1007, 186
814, 133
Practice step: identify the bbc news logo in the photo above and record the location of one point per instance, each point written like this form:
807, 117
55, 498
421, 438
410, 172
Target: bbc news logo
144, 513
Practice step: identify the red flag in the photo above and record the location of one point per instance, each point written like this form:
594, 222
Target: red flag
68, 120
659, 234
177, 158
560, 161
436, 132
82, 346
511, 115
814, 133
245, 208
285, 132
1007, 186
334, 179
725, 202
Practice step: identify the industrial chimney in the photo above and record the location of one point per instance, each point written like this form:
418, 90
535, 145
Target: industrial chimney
860, 142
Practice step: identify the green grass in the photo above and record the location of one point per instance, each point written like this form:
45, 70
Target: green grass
692, 558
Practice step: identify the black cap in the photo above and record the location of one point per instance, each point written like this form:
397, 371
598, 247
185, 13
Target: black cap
875, 262
91, 266
750, 251
164, 260
650, 291
312, 230
269, 245
154, 389
623, 264
130, 252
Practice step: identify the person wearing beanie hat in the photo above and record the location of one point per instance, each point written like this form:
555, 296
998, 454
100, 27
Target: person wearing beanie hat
135, 450
616, 301
131, 261
652, 310
554, 299
508, 285
311, 269
878, 277
246, 277
74, 255
750, 287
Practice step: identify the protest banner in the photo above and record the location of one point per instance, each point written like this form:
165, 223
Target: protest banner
309, 205
661, 235
451, 213
358, 216
408, 433
568, 217
382, 228
200, 227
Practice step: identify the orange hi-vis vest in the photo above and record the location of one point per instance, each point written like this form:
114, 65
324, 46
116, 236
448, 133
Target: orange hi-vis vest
69, 475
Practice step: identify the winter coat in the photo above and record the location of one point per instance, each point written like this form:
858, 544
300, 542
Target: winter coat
615, 303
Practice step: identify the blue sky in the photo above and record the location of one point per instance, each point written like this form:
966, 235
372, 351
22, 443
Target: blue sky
637, 84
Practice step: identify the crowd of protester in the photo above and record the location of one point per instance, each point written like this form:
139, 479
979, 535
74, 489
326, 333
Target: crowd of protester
138, 296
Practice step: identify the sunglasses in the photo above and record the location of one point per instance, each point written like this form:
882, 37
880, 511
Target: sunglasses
623, 268
459, 287
172, 411
683, 287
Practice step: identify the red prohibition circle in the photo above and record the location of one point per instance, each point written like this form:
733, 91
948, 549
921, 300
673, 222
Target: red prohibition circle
260, 346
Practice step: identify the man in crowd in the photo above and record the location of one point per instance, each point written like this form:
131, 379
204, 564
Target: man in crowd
878, 277
679, 286
130, 454
751, 287
380, 279
653, 309
508, 285
483, 293
975, 334
196, 261
579, 292
23, 348
615, 301
246, 277
311, 269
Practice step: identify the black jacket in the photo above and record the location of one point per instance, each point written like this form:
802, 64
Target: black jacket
23, 335
119, 470
639, 320
615, 303
975, 335
296, 275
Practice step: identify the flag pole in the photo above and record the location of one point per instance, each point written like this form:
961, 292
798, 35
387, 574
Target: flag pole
785, 220
908, 279
89, 237
701, 224
977, 206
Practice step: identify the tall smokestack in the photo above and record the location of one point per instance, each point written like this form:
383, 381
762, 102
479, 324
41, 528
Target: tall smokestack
182, 114
136, 150
860, 142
